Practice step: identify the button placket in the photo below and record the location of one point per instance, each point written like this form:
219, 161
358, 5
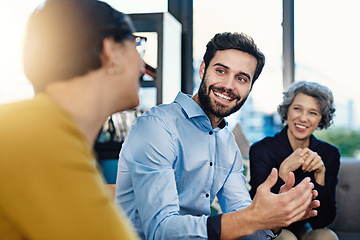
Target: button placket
212, 137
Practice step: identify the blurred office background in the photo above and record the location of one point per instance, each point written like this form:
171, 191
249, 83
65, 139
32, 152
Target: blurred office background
326, 41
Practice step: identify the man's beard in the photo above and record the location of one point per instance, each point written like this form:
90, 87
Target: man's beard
217, 109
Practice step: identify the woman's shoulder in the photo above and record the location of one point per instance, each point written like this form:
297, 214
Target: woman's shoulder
326, 150
264, 142
268, 141
325, 145
268, 146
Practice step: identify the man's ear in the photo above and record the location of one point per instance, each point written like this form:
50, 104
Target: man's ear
202, 70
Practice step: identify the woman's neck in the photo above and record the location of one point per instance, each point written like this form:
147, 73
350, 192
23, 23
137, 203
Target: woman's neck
86, 110
298, 143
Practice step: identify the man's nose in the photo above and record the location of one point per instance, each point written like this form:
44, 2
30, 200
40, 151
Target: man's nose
228, 82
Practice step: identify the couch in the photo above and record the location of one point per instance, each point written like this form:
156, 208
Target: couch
347, 221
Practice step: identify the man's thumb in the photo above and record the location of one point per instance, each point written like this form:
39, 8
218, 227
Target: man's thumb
271, 179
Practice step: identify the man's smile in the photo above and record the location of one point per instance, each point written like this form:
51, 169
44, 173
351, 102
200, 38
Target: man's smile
222, 96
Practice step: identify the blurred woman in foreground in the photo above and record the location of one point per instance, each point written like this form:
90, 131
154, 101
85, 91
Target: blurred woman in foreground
81, 57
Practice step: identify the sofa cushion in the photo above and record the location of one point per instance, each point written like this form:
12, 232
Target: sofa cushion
348, 197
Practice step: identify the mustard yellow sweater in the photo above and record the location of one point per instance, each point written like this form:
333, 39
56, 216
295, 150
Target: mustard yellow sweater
50, 186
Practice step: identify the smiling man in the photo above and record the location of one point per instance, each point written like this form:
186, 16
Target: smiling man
178, 157
227, 85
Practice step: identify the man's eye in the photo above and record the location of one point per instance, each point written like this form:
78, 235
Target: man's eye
241, 79
220, 71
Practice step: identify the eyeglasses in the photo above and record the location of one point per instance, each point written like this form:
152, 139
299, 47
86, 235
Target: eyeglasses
140, 44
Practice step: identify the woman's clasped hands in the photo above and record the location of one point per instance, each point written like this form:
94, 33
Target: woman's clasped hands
308, 160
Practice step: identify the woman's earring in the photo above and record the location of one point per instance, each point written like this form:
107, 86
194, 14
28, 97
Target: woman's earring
112, 67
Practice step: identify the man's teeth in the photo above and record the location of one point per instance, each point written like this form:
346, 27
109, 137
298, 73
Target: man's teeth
223, 96
300, 126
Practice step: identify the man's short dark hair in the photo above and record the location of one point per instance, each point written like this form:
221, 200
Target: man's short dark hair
237, 41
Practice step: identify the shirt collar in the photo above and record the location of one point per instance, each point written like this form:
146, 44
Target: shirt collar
192, 109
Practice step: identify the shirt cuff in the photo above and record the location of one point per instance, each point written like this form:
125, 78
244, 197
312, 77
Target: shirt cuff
273, 235
213, 225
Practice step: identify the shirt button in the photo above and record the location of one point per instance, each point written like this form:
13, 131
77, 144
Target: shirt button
211, 132
211, 163
207, 195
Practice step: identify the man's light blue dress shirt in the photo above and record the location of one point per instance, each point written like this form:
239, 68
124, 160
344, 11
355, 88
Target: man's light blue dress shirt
171, 167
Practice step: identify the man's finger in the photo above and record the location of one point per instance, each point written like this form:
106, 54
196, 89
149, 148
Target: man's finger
315, 193
304, 186
289, 183
271, 179
301, 205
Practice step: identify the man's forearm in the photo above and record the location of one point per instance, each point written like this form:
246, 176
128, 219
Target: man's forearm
238, 224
